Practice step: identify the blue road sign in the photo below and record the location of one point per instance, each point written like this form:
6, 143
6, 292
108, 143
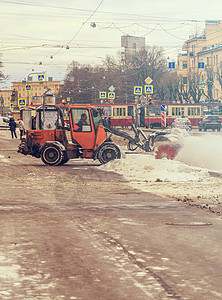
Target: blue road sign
41, 77
148, 89
21, 102
28, 87
111, 95
138, 90
202, 85
172, 65
102, 95
200, 65
12, 105
163, 107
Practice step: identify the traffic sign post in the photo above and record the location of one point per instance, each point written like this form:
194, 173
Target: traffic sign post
172, 65
148, 89
41, 77
163, 115
22, 102
200, 65
102, 95
138, 90
148, 80
11, 106
202, 85
28, 87
111, 95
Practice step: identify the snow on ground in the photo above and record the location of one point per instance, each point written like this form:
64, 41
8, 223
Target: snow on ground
196, 172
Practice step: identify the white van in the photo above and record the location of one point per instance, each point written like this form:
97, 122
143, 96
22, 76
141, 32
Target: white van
4, 122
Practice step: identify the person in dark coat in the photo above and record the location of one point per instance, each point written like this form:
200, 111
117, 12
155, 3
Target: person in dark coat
82, 121
109, 122
12, 126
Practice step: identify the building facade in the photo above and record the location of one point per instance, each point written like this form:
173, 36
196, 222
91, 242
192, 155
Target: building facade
33, 94
202, 58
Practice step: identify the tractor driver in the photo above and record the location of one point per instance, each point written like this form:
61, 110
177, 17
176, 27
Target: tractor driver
82, 122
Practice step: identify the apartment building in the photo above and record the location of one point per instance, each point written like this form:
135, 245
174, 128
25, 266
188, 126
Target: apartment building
202, 56
31, 91
5, 95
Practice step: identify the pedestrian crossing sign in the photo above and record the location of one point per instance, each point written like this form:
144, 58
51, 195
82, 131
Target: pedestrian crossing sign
202, 85
111, 95
28, 87
22, 102
41, 77
148, 89
12, 105
102, 95
138, 90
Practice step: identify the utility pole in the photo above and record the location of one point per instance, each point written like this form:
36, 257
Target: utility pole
137, 110
43, 95
2, 105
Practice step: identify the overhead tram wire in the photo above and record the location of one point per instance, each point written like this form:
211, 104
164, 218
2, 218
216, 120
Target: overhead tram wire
78, 31
103, 12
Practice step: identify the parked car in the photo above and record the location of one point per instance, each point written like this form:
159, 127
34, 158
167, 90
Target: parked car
4, 122
210, 122
183, 123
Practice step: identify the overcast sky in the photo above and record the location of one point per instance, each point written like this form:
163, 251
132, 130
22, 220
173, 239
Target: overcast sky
34, 35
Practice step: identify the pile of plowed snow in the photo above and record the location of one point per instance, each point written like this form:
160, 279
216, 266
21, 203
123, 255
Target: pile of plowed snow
194, 173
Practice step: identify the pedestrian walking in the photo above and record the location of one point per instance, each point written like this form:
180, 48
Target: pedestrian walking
21, 127
33, 123
12, 126
105, 123
109, 122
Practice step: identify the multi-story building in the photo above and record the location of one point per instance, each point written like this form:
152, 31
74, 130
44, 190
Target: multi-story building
32, 95
202, 57
5, 95
132, 44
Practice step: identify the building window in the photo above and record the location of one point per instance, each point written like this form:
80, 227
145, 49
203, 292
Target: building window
184, 80
184, 65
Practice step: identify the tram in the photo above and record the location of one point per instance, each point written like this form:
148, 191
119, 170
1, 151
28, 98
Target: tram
124, 114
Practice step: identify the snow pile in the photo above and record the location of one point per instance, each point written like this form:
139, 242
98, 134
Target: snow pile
146, 167
188, 175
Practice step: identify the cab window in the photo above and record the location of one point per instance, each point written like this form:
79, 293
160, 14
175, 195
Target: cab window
96, 116
81, 120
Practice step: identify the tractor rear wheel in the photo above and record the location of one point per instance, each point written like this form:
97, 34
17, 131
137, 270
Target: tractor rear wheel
65, 158
52, 155
108, 152
168, 151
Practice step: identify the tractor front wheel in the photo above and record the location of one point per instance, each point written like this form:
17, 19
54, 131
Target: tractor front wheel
108, 152
52, 155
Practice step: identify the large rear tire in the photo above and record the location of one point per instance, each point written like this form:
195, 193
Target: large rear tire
65, 158
52, 155
108, 152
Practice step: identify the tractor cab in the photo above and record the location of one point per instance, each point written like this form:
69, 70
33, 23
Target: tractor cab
86, 127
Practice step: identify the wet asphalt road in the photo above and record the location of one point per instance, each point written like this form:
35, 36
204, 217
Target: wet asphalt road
76, 232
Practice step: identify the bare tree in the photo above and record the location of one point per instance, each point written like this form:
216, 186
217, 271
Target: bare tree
210, 83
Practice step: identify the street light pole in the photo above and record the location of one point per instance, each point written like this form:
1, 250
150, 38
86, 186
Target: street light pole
44, 95
2, 105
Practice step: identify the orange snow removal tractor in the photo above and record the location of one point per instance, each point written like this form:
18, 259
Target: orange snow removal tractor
55, 141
